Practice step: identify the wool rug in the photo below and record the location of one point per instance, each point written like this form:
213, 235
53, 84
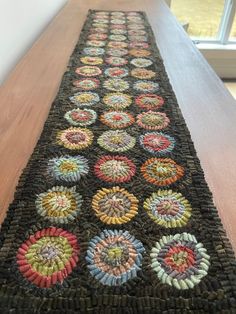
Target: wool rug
112, 213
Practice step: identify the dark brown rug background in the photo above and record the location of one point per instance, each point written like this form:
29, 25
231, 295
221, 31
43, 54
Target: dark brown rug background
145, 294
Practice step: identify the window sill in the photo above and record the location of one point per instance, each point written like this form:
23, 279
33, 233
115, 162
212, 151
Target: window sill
216, 46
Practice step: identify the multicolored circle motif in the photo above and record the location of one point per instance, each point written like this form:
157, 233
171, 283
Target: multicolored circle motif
157, 143
91, 60
118, 31
115, 206
118, 21
116, 61
117, 52
75, 138
139, 53
100, 25
92, 51
168, 209
101, 13
133, 13
138, 44
114, 257
141, 62
98, 30
135, 26
116, 72
117, 37
138, 38
117, 44
85, 99
149, 101
96, 43
117, 119
68, 168
117, 26
116, 141
59, 204
117, 13
114, 169
161, 171
180, 261
152, 120
47, 257
146, 86
134, 32
116, 85
86, 84
101, 20
88, 70
143, 74
136, 19
104, 18
81, 117
97, 36
117, 100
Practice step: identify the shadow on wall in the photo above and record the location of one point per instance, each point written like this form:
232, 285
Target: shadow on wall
21, 23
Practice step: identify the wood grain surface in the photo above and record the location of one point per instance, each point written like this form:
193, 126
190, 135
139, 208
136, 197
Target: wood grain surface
208, 108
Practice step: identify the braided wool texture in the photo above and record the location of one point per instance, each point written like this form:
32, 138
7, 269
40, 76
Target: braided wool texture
112, 213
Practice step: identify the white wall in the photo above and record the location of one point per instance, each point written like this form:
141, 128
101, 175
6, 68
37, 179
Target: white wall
21, 23
222, 58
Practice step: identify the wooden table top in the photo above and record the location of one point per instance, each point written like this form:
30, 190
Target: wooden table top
208, 108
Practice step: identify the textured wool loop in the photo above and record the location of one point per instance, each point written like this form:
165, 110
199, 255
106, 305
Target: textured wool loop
112, 213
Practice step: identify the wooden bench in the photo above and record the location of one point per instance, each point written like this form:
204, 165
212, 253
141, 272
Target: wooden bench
208, 108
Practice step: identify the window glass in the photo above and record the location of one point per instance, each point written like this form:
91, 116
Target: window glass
201, 18
232, 35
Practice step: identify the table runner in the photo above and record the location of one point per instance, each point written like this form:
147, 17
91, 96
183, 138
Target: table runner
112, 213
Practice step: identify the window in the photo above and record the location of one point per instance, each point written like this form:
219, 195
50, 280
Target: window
208, 20
232, 36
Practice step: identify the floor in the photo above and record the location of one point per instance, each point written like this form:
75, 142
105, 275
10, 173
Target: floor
231, 85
